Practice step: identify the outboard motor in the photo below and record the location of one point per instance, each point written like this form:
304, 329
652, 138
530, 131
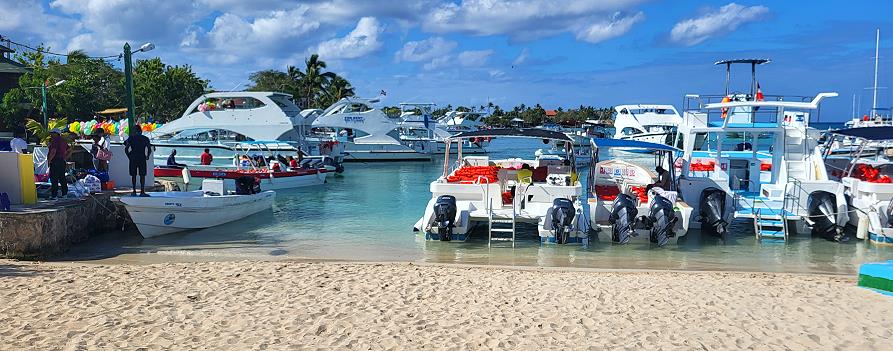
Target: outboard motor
711, 208
662, 219
890, 214
445, 216
623, 218
562, 212
247, 185
823, 215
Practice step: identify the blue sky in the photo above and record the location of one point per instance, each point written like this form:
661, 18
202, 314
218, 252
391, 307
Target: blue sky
556, 53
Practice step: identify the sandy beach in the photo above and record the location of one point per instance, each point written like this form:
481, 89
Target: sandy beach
299, 305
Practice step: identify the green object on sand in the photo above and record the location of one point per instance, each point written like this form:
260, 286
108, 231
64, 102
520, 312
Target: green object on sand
877, 276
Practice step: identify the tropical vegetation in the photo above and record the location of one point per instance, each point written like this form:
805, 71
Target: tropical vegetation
312, 87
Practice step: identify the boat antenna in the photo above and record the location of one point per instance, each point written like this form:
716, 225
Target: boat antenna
728, 76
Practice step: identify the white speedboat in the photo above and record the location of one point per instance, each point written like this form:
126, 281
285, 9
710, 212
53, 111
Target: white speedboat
169, 212
621, 203
225, 121
417, 125
648, 123
732, 134
868, 181
367, 133
472, 190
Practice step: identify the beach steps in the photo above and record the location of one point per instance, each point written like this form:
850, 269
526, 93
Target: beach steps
877, 276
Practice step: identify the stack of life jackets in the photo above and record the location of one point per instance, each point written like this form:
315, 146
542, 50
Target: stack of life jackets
471, 174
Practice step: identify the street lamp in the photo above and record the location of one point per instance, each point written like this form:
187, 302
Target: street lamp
43, 97
128, 81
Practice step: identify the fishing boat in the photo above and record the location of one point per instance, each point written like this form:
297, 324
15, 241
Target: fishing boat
502, 194
367, 133
224, 122
648, 123
624, 202
732, 134
169, 212
868, 182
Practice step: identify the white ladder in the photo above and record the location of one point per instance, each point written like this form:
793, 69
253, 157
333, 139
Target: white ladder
492, 221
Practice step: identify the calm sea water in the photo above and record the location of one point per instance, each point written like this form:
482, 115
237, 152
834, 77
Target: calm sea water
368, 214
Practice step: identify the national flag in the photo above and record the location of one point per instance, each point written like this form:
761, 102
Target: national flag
383, 93
759, 93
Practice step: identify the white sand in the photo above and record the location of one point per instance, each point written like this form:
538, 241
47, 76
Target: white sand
281, 305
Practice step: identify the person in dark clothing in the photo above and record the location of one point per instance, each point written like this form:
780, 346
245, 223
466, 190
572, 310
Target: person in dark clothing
172, 159
56, 157
663, 179
138, 150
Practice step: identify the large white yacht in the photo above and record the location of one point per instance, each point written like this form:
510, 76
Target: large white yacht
369, 134
417, 125
224, 121
648, 123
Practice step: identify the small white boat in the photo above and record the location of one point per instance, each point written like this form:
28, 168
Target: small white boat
169, 212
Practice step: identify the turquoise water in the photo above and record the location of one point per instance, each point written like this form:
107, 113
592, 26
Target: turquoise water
368, 214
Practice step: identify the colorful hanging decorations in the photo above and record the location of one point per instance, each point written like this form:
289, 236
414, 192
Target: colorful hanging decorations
87, 128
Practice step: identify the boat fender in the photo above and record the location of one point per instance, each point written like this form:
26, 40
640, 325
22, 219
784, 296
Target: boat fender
623, 219
445, 216
562, 212
186, 176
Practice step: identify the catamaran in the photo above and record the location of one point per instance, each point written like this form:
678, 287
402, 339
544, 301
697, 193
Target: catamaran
725, 140
502, 194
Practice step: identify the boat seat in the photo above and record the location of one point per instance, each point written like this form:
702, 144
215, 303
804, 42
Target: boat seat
525, 176
540, 173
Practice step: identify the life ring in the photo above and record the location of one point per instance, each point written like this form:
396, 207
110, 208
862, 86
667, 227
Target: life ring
725, 110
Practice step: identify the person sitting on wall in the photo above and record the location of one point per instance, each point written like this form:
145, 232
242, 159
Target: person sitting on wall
663, 179
172, 160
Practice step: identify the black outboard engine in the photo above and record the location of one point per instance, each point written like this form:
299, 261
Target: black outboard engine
623, 218
662, 219
445, 216
562, 212
890, 213
823, 215
711, 209
247, 185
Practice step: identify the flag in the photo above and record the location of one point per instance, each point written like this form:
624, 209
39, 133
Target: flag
383, 93
759, 93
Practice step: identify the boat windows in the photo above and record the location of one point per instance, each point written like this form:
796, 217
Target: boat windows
229, 103
630, 131
285, 102
204, 135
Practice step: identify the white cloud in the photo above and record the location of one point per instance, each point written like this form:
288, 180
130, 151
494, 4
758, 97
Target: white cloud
160, 21
276, 32
617, 26
522, 57
715, 23
474, 58
424, 50
437, 62
363, 40
522, 20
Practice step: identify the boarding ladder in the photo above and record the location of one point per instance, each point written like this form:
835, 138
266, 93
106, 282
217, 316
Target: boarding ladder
500, 227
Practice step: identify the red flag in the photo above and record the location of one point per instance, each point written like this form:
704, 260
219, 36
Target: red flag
759, 93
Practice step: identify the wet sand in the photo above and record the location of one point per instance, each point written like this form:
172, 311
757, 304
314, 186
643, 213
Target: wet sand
247, 305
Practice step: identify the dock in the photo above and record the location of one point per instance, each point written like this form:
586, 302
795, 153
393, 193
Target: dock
49, 228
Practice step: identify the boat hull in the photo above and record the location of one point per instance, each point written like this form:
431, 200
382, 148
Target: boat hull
171, 212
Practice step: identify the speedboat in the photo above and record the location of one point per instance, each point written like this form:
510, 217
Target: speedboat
621, 202
367, 133
170, 212
732, 134
648, 123
505, 193
868, 182
224, 122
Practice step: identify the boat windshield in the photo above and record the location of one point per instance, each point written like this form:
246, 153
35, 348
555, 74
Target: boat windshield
204, 135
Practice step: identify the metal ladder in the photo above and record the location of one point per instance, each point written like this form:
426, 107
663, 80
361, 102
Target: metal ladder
492, 221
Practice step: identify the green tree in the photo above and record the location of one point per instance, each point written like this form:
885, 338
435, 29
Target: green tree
312, 80
336, 89
162, 91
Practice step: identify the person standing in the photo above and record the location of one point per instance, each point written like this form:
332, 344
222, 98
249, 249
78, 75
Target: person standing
100, 152
17, 144
138, 150
207, 158
56, 157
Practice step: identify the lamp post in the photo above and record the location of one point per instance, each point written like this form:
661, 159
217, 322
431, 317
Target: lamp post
128, 82
43, 98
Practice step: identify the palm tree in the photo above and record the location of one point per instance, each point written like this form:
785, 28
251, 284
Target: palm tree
338, 88
312, 79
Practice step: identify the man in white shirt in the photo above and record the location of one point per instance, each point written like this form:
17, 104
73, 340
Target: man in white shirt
17, 144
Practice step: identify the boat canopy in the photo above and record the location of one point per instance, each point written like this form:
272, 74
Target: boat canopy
750, 61
606, 143
867, 133
515, 132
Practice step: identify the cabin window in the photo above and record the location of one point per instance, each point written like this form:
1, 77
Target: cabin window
284, 102
630, 131
229, 103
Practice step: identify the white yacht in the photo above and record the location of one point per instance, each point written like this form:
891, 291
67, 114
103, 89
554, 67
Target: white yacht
461, 121
417, 125
224, 121
368, 133
648, 123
